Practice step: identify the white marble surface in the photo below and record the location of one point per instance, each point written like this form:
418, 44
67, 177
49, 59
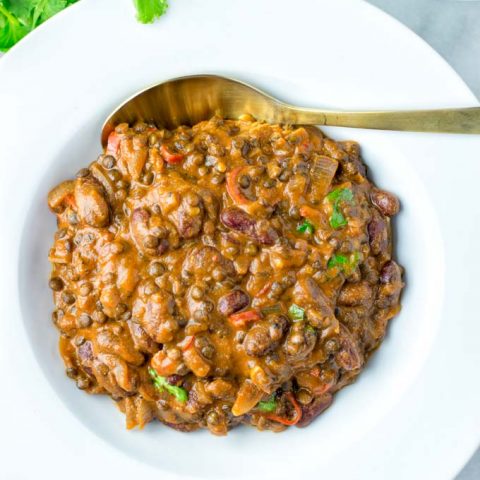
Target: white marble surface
452, 27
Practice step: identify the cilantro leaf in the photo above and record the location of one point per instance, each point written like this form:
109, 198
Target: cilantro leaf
337, 260
306, 227
149, 10
268, 406
19, 17
296, 313
340, 194
11, 29
21, 9
161, 384
44, 9
337, 219
345, 264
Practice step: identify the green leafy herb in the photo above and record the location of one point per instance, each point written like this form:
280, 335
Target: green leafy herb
340, 194
11, 29
268, 406
337, 261
337, 219
162, 384
149, 10
19, 17
44, 9
296, 313
344, 263
306, 227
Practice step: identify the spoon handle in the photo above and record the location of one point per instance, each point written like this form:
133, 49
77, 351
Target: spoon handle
451, 120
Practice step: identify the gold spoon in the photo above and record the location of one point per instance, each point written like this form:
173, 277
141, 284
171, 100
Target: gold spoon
189, 100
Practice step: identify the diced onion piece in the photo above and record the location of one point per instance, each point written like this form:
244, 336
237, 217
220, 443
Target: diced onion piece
247, 397
323, 170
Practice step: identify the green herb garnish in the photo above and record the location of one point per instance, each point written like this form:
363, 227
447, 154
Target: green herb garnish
306, 227
296, 313
149, 10
161, 384
19, 17
344, 263
11, 29
268, 406
338, 220
310, 328
337, 261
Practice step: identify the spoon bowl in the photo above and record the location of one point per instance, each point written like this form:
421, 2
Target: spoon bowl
189, 100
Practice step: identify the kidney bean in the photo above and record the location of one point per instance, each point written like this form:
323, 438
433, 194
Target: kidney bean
390, 273
240, 221
390, 285
233, 302
349, 356
386, 202
311, 411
